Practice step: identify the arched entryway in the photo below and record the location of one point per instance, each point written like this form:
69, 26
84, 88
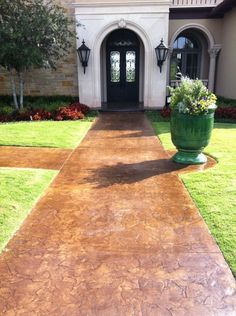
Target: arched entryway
98, 23
194, 52
122, 66
188, 56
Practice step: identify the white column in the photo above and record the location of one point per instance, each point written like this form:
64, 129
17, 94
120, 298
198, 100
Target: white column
213, 52
168, 65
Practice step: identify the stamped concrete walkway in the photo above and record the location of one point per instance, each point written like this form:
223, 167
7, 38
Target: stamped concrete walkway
33, 157
116, 234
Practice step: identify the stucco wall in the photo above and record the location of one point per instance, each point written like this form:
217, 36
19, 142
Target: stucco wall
213, 25
226, 73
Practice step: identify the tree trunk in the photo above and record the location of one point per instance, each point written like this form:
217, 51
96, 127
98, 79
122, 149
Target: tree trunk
13, 87
21, 87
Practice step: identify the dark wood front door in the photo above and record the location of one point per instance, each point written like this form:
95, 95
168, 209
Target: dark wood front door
122, 67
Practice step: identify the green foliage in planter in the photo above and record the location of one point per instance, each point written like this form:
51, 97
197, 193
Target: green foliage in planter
191, 97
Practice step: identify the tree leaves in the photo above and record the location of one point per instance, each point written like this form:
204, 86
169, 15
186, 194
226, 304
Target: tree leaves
33, 33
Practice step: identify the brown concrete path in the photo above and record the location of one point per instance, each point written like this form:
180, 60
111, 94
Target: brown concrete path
33, 157
116, 234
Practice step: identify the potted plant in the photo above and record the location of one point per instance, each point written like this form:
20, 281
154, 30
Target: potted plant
192, 119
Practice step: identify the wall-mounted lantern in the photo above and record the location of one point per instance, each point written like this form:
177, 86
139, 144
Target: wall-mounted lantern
161, 53
84, 53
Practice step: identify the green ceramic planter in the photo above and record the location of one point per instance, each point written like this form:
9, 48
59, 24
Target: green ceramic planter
191, 134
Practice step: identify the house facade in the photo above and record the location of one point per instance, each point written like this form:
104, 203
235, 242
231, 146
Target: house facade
123, 34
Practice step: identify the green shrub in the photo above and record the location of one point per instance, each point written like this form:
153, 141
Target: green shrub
6, 110
224, 102
49, 103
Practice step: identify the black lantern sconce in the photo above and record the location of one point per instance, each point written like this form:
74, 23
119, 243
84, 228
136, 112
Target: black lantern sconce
161, 53
84, 53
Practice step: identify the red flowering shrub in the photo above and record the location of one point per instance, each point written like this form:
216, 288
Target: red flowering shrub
3, 118
221, 112
41, 115
80, 107
74, 111
226, 112
68, 113
166, 112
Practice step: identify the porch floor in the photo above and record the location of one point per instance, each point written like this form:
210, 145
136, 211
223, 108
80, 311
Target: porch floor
116, 234
122, 107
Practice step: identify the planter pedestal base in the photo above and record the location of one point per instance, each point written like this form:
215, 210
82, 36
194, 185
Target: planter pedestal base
189, 158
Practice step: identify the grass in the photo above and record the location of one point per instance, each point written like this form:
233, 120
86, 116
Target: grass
19, 190
64, 134
213, 191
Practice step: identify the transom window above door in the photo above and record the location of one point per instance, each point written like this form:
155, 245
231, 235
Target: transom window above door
123, 38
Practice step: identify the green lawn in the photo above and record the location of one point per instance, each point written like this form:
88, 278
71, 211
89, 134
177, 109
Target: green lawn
19, 191
20, 188
65, 134
214, 191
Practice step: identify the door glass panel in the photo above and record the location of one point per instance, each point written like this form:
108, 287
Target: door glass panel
130, 66
115, 66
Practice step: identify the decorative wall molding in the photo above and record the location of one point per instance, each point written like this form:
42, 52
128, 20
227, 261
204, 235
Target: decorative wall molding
122, 23
122, 3
131, 8
214, 51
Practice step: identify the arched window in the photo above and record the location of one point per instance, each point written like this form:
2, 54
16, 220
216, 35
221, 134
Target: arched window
187, 56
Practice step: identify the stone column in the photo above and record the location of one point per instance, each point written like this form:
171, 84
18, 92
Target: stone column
213, 52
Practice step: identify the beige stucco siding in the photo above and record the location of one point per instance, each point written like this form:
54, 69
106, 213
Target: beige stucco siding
226, 73
213, 25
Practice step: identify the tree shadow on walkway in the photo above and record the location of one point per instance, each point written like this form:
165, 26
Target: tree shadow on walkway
124, 173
